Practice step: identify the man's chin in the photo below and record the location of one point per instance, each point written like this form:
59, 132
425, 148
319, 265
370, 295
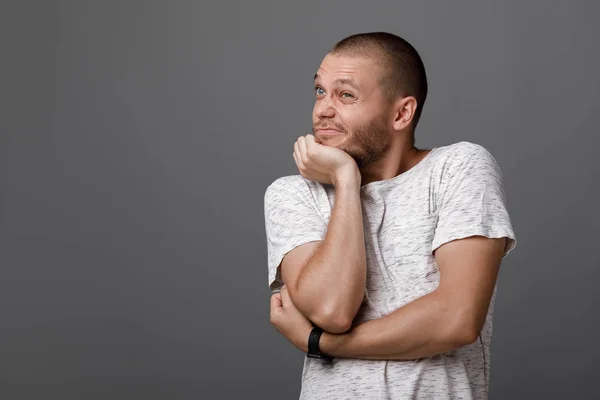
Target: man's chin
331, 140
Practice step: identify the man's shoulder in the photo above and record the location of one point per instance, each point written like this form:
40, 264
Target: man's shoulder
467, 159
465, 155
461, 150
286, 181
293, 184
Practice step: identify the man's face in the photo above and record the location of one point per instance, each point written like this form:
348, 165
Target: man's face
350, 111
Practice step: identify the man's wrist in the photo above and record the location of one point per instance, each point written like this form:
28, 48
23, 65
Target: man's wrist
330, 343
314, 344
349, 177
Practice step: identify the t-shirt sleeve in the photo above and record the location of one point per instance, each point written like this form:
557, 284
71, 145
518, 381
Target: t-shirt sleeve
472, 200
292, 218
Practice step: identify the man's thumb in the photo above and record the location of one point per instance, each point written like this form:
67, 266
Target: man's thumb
276, 300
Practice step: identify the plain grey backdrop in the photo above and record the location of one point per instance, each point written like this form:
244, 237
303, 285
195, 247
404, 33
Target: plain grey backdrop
138, 137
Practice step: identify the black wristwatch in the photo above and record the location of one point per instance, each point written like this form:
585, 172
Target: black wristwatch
313, 345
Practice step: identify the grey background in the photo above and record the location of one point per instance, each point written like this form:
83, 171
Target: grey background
137, 139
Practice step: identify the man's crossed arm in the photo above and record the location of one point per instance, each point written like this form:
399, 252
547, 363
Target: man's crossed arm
447, 318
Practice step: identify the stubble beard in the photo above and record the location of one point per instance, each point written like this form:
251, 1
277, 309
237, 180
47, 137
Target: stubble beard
368, 143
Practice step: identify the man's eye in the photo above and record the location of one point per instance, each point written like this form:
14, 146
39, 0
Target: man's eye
347, 95
319, 91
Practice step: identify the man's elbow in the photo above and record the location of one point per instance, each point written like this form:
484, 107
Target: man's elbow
467, 336
333, 322
330, 319
333, 315
466, 331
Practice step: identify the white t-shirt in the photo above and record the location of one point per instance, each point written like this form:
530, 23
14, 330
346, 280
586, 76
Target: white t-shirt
456, 191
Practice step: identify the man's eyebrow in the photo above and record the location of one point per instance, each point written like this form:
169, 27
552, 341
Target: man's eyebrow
342, 81
348, 82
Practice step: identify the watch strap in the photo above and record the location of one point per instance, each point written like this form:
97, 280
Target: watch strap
313, 345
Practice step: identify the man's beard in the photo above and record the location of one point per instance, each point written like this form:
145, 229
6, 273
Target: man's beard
367, 143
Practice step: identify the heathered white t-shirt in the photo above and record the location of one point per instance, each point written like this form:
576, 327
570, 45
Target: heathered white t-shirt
456, 191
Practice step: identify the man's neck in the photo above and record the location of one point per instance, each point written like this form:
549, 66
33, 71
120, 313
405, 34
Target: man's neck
400, 158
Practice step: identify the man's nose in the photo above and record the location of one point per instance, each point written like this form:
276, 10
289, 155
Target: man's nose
324, 108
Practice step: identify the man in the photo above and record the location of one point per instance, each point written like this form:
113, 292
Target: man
385, 255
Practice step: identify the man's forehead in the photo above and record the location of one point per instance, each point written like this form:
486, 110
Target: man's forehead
346, 68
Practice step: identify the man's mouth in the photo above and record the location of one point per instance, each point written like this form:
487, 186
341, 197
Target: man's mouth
328, 131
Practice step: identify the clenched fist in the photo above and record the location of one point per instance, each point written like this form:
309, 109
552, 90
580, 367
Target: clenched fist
325, 164
288, 321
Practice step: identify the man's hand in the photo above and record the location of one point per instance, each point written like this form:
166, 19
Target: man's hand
323, 164
286, 318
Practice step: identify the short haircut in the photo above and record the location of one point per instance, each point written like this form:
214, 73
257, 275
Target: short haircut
405, 72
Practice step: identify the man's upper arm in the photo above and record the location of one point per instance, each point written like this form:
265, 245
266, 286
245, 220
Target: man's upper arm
473, 234
292, 223
471, 200
294, 261
468, 272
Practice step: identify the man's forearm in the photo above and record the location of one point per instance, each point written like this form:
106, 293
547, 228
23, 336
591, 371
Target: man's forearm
330, 288
423, 328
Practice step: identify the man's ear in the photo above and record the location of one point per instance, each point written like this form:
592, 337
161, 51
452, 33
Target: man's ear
405, 112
